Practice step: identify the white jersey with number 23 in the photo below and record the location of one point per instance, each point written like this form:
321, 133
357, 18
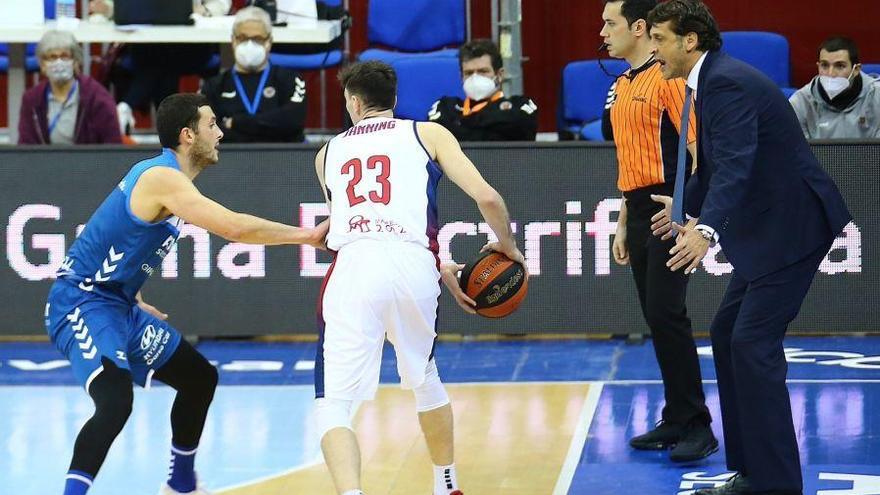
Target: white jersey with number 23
382, 185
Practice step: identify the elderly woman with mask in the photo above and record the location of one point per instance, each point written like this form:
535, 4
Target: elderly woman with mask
68, 107
256, 101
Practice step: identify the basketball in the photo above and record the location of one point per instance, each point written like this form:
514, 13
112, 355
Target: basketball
496, 283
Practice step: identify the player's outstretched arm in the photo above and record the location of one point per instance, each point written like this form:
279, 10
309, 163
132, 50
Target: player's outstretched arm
445, 150
161, 190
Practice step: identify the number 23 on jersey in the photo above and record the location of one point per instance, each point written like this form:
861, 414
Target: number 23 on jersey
382, 192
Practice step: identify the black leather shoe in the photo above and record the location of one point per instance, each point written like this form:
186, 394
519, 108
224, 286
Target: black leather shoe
663, 436
696, 442
737, 485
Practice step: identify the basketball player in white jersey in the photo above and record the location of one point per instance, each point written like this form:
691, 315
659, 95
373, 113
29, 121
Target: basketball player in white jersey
380, 180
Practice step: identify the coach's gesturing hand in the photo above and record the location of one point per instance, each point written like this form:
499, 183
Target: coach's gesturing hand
449, 275
690, 248
661, 222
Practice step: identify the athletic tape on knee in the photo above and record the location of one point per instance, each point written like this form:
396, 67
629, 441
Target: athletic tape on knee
332, 413
431, 394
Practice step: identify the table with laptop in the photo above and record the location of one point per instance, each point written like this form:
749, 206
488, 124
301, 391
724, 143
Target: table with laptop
135, 21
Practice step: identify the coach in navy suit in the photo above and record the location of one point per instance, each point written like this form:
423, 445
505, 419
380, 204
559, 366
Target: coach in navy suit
761, 193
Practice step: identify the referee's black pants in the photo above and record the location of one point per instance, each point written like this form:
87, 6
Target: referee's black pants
662, 294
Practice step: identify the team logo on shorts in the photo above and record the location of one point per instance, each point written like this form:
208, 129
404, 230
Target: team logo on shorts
147, 337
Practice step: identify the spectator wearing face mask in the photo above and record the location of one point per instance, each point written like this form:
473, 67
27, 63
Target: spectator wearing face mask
841, 102
68, 107
254, 100
487, 114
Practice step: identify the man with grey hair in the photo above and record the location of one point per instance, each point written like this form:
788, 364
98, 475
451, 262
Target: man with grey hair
69, 107
256, 101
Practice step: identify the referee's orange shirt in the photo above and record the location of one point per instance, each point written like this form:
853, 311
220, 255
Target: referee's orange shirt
646, 120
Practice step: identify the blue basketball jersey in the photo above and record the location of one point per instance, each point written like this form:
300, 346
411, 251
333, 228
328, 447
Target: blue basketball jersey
117, 251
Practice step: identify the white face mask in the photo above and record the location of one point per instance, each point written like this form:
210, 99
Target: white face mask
250, 54
479, 87
835, 85
59, 71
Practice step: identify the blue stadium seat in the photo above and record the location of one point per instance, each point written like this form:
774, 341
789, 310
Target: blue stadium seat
871, 69
389, 57
584, 91
31, 64
423, 80
414, 26
593, 131
310, 61
767, 52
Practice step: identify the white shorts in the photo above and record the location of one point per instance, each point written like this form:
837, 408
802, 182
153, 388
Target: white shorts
375, 289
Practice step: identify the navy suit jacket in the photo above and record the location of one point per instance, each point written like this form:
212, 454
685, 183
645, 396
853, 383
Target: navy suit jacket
757, 183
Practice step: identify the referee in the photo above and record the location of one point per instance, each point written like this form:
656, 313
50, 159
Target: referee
645, 116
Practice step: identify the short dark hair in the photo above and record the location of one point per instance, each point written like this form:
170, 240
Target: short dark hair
373, 81
837, 43
634, 10
689, 16
176, 112
477, 48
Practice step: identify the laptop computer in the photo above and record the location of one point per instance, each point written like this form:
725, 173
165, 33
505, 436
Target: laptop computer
156, 12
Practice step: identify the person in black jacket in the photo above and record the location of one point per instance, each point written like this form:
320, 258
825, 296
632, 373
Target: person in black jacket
486, 114
256, 101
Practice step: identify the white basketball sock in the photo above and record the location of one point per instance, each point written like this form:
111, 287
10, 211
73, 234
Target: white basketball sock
445, 481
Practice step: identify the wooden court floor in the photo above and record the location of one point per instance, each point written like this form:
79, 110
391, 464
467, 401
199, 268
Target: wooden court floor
511, 438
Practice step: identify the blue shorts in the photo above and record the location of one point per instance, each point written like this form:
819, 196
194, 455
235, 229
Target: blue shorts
87, 328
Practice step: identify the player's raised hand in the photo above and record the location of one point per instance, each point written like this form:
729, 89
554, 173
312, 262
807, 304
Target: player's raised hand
661, 222
449, 275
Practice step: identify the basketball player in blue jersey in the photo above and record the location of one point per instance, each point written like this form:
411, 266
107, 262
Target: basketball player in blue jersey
96, 317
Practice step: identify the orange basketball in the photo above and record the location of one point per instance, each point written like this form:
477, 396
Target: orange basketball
496, 283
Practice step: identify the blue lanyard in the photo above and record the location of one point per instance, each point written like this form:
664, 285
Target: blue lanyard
63, 105
251, 106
